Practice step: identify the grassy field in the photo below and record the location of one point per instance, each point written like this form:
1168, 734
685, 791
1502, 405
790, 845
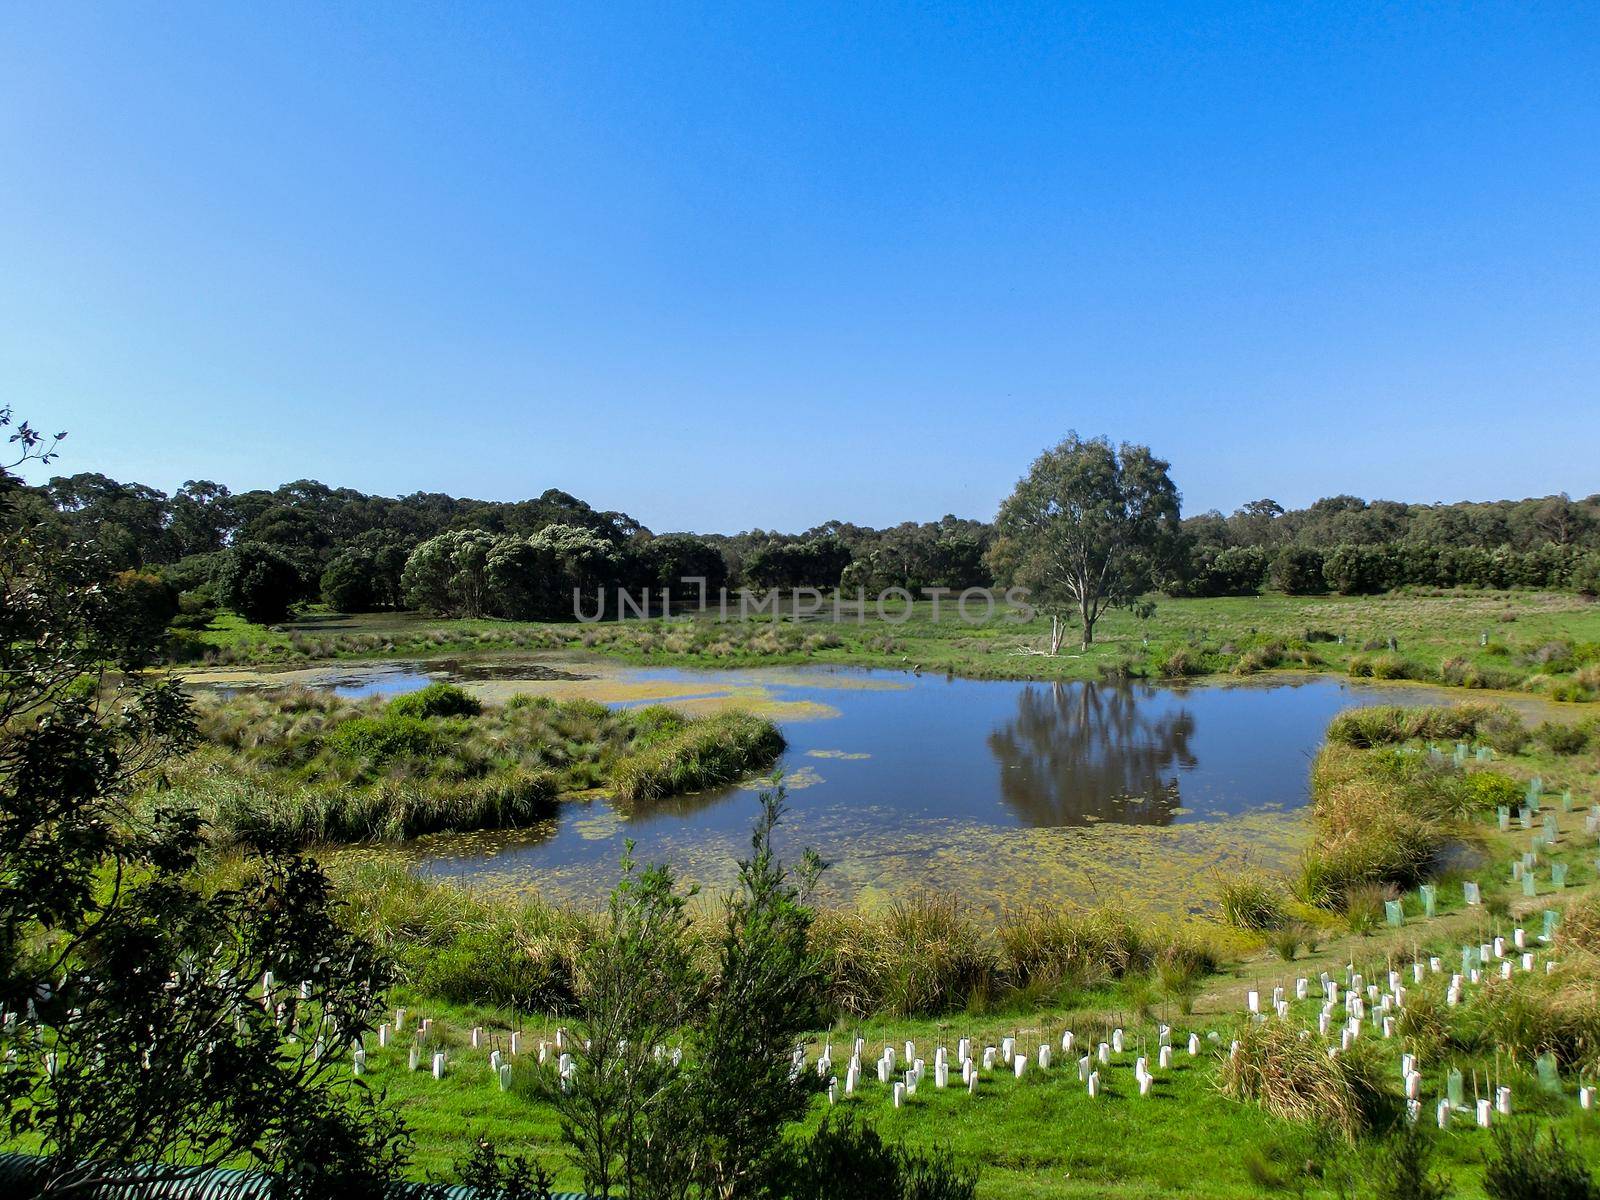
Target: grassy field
1042, 1136
1543, 641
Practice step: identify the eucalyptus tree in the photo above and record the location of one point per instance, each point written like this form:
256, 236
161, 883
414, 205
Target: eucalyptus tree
1086, 530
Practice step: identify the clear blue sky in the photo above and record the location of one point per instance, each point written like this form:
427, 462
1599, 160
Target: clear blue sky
746, 265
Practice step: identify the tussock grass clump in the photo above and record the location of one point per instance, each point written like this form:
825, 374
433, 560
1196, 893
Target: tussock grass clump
1388, 666
927, 955
1273, 655
1364, 906
1579, 930
381, 739
1287, 941
1427, 1026
252, 808
1529, 1015
1464, 673
1253, 902
1182, 663
1294, 1079
1381, 819
1045, 947
706, 753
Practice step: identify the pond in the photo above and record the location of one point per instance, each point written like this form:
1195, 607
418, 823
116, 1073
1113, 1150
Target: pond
1006, 792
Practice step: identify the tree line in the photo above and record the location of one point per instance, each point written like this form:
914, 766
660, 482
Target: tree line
262, 552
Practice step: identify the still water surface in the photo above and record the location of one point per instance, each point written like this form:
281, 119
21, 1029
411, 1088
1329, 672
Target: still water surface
1023, 789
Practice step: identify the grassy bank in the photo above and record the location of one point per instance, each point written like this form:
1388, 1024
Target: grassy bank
307, 767
923, 956
1544, 642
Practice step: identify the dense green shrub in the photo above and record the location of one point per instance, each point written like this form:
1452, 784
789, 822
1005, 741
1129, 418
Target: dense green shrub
1560, 738
1399, 1168
436, 700
1487, 790
1221, 571
1297, 570
379, 739
1502, 730
1585, 575
1353, 570
258, 582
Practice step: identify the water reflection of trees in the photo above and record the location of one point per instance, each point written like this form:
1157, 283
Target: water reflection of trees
1088, 751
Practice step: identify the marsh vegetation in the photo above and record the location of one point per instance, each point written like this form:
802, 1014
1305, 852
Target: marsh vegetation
303, 767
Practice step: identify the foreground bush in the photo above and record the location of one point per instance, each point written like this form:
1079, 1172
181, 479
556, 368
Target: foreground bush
1399, 1167
1524, 1167
1294, 1078
847, 1160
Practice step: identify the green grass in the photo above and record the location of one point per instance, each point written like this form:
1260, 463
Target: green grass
1038, 1137
1439, 636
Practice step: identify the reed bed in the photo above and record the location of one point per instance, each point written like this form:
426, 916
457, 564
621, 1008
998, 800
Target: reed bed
927, 954
1381, 818
466, 948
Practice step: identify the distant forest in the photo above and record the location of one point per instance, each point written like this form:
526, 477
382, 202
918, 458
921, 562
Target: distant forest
263, 552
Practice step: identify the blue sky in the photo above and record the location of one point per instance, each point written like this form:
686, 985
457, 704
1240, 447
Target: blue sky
751, 265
